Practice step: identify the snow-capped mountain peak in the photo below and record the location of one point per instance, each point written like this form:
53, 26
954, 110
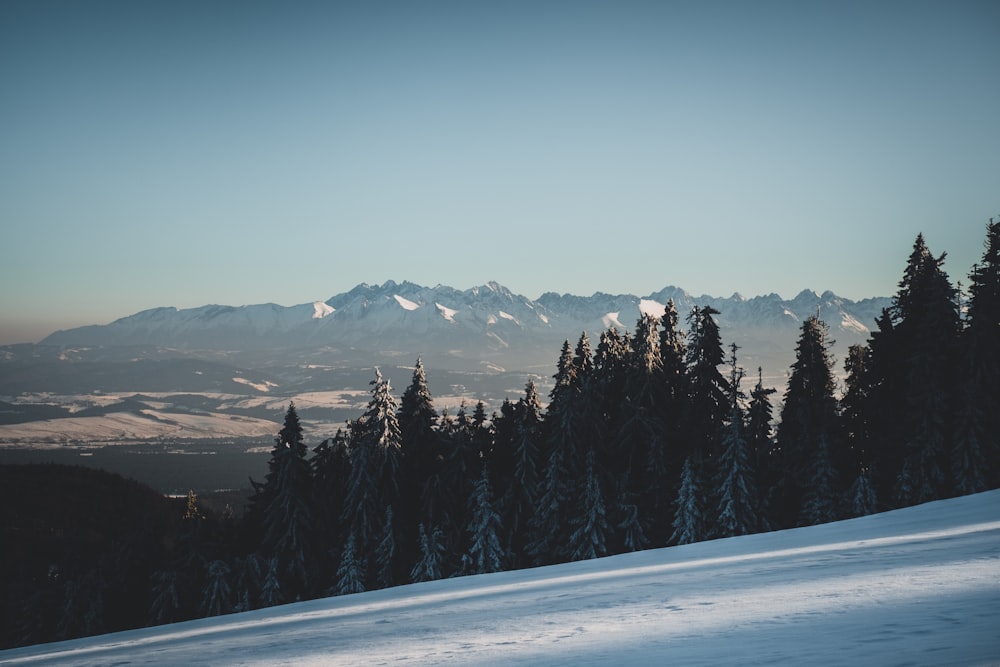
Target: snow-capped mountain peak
480, 324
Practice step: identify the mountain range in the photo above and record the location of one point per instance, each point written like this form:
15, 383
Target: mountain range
481, 326
224, 371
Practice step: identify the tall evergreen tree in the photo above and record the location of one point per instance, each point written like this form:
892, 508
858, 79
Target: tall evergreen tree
430, 565
373, 485
707, 410
521, 496
420, 460
708, 391
857, 431
217, 598
559, 440
287, 517
927, 330
642, 435
760, 445
689, 517
331, 469
351, 571
738, 508
589, 527
484, 553
975, 455
808, 433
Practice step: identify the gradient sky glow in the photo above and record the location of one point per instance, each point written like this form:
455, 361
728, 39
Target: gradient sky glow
185, 153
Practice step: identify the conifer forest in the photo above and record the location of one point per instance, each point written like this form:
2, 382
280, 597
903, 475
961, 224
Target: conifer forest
650, 438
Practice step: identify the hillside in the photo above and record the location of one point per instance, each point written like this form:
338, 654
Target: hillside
918, 586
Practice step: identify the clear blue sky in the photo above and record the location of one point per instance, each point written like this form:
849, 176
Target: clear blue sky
184, 153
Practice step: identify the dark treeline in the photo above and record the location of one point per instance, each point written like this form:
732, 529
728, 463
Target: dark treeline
648, 439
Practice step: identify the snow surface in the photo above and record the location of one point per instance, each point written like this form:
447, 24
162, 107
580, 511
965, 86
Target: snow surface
135, 426
919, 586
653, 308
405, 303
448, 313
321, 310
611, 320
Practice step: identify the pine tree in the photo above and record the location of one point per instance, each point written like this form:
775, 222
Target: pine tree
708, 392
854, 404
820, 499
351, 572
641, 431
863, 499
165, 604
484, 553
808, 433
520, 500
429, 567
707, 411
251, 572
760, 445
738, 509
689, 516
421, 451
287, 516
975, 456
271, 593
559, 453
928, 329
373, 485
461, 466
217, 598
589, 527
331, 469
385, 553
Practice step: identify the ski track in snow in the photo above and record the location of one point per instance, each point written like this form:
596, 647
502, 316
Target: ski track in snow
919, 586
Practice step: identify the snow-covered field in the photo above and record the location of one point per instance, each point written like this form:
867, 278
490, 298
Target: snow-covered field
919, 586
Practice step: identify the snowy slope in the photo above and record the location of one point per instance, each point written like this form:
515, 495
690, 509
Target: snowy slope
919, 586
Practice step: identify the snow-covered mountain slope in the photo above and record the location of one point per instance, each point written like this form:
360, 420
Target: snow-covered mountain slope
919, 586
485, 323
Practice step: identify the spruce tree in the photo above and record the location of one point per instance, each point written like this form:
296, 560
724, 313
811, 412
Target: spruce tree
521, 497
386, 561
287, 516
484, 553
373, 485
589, 527
927, 330
738, 508
560, 438
429, 566
863, 500
640, 436
808, 434
707, 411
331, 468
975, 455
689, 515
217, 598
420, 449
760, 445
708, 391
351, 571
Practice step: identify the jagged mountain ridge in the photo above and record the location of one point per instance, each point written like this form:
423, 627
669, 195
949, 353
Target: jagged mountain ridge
484, 323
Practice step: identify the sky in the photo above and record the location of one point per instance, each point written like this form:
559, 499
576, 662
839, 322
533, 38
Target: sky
186, 153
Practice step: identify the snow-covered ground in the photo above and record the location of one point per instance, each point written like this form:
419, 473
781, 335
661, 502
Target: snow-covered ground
919, 586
